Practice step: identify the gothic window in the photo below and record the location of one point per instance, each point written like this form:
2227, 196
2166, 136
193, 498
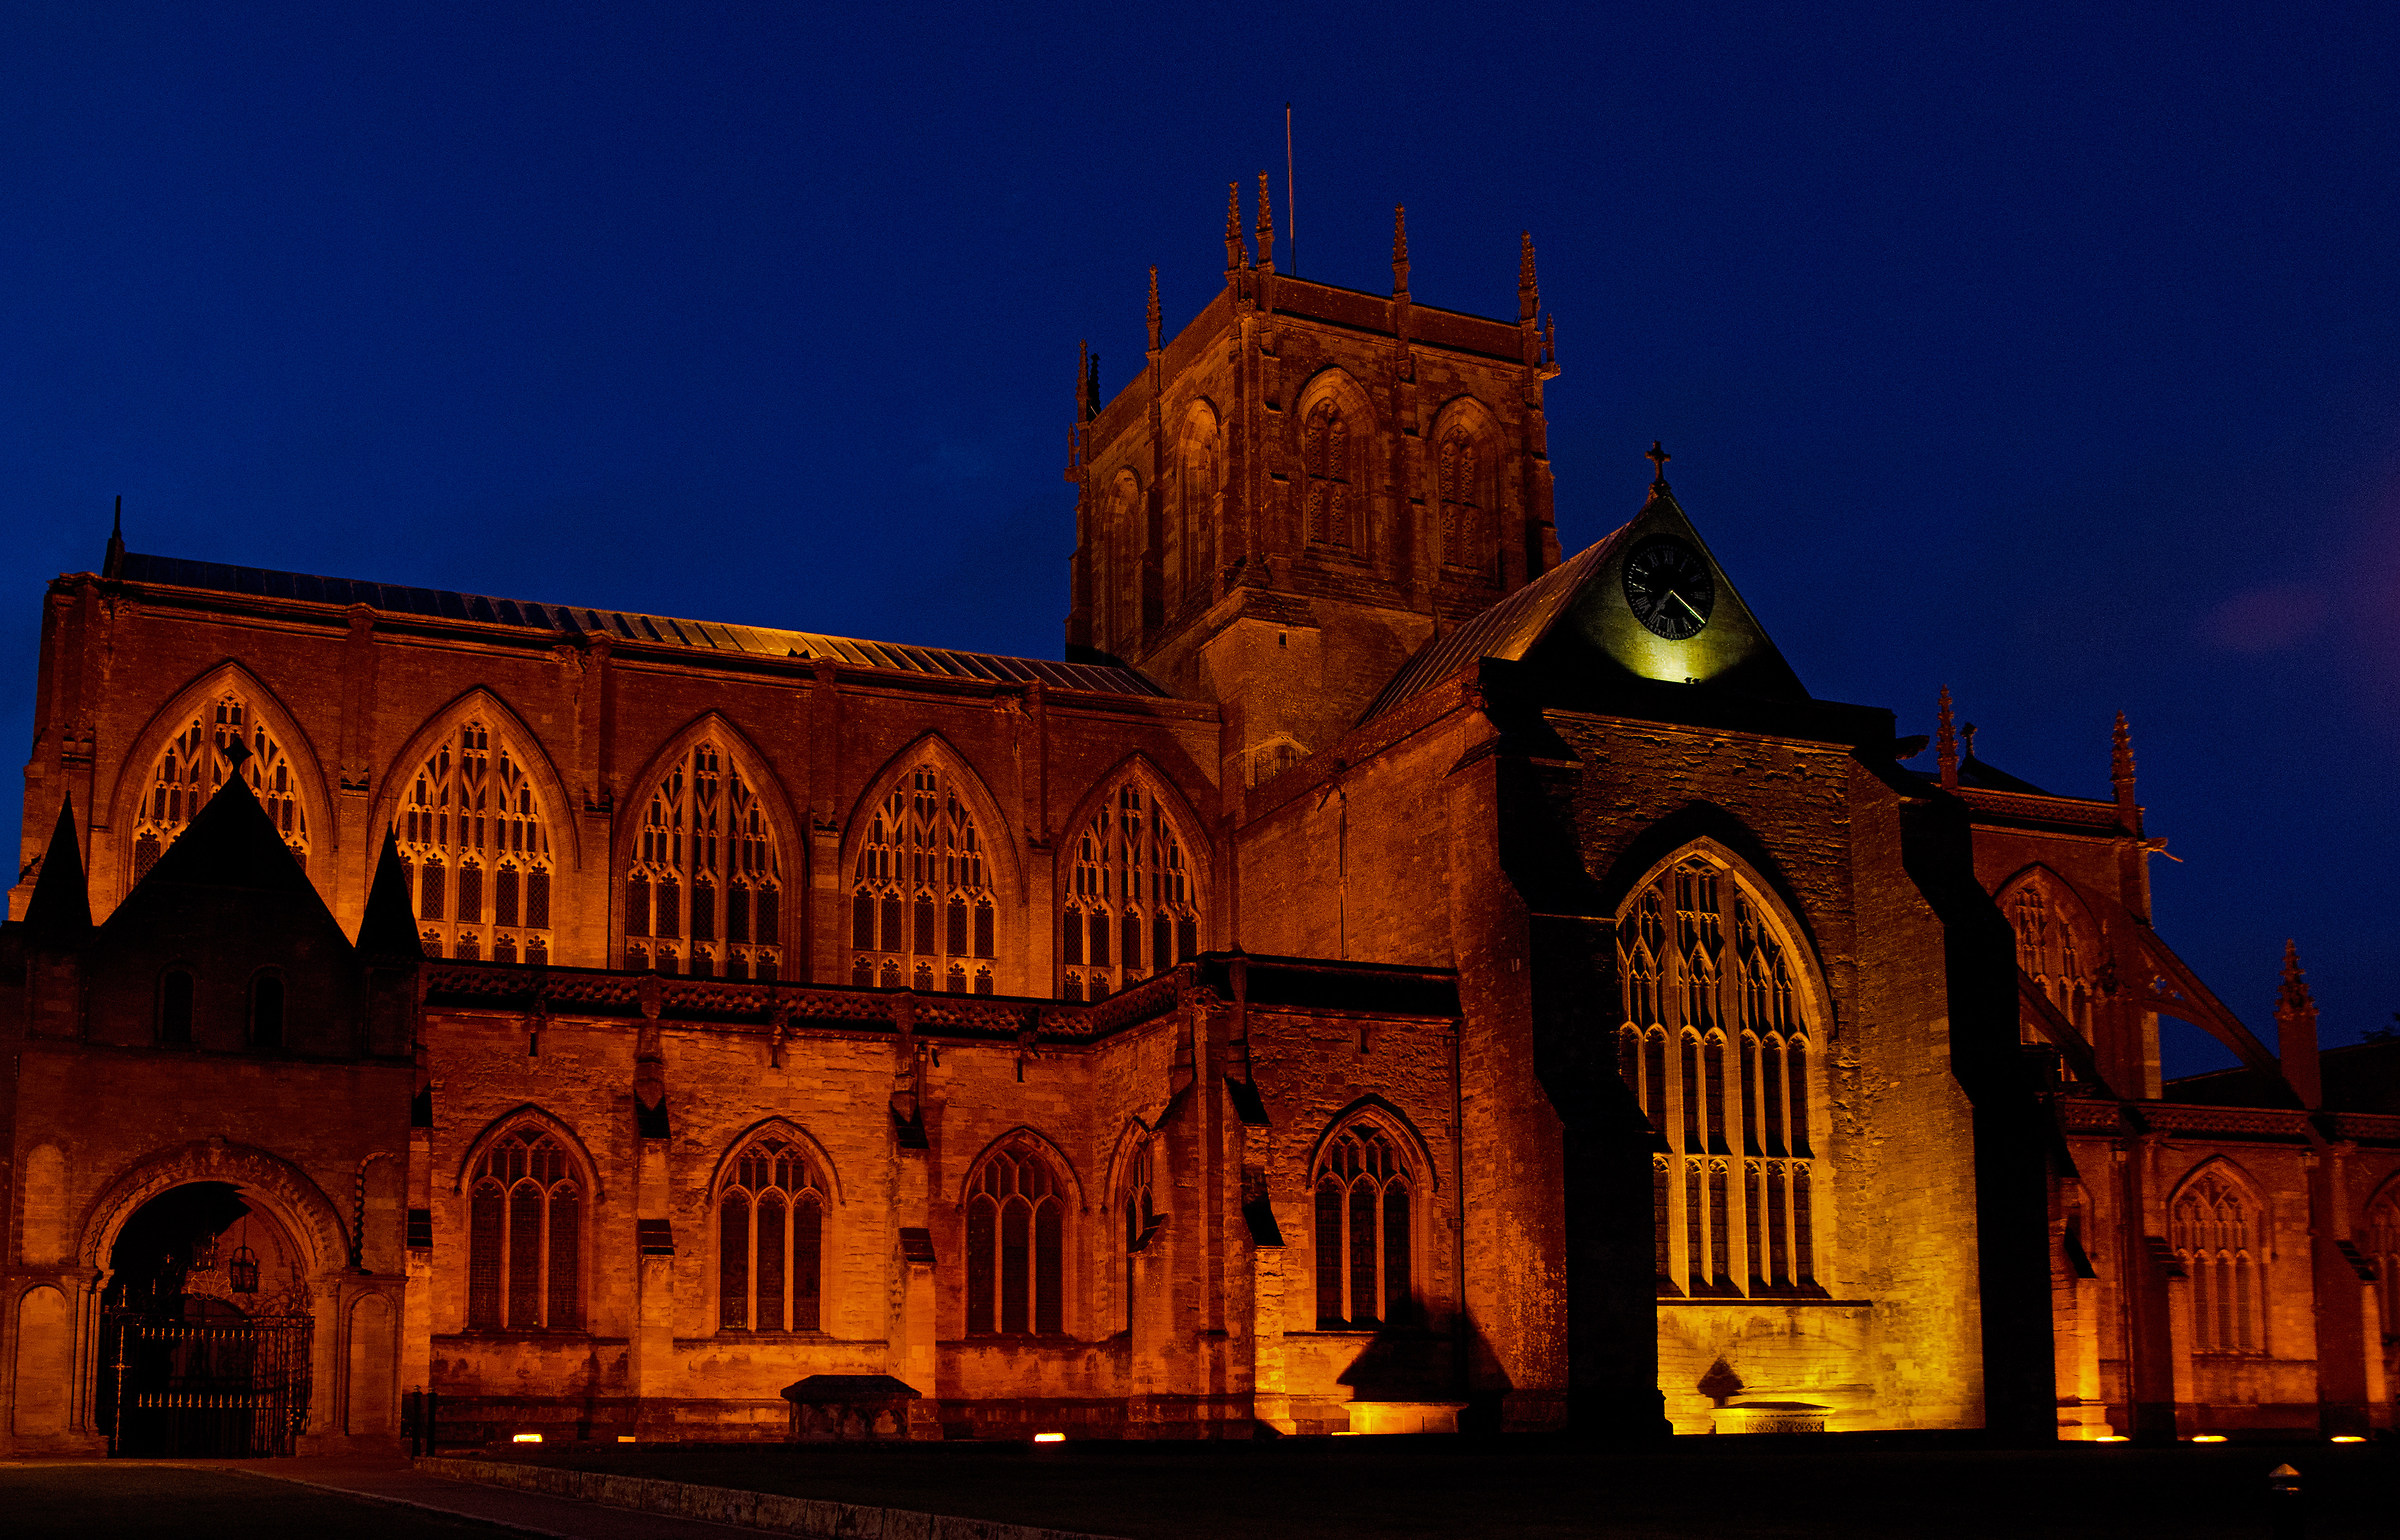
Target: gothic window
193, 765
1141, 1217
704, 895
2048, 952
1661, 1224
1016, 1219
1199, 487
1364, 1239
1130, 908
921, 904
476, 848
1464, 465
1700, 958
1327, 467
770, 1240
2382, 1236
524, 1236
2214, 1235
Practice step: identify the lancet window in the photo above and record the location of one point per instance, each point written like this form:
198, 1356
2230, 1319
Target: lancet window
705, 892
1198, 488
476, 848
2048, 952
1715, 1048
921, 907
194, 764
1364, 1236
770, 1240
1141, 1215
2214, 1233
1016, 1245
1326, 462
1130, 910
1463, 473
524, 1240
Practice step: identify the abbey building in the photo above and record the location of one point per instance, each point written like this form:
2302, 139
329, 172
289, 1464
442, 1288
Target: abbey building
1392, 975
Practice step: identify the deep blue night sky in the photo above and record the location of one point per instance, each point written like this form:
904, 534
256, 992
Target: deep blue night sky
2047, 353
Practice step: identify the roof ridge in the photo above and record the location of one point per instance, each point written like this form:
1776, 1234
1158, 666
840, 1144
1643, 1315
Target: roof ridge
1497, 623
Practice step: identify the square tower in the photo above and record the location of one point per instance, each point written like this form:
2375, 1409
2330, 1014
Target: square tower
1303, 487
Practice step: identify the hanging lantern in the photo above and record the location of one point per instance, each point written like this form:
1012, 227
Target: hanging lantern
204, 1255
243, 1270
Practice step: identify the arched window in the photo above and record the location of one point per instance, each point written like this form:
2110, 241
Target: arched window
1199, 489
921, 908
2382, 1237
1332, 502
266, 1011
2049, 952
175, 1008
476, 849
1699, 959
1464, 465
770, 1240
1130, 908
1141, 1217
1365, 1241
2214, 1235
1016, 1222
705, 894
524, 1236
193, 765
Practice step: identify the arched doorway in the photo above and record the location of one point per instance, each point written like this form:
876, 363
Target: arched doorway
205, 1346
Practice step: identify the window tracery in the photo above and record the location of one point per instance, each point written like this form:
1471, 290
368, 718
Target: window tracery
1199, 490
921, 907
476, 851
524, 1236
2212, 1233
193, 765
2048, 952
770, 1240
1130, 909
1016, 1222
1141, 1216
1698, 958
704, 895
1325, 456
1364, 1236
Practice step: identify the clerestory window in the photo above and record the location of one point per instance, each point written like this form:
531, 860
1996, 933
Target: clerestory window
194, 764
476, 849
705, 892
921, 904
1130, 910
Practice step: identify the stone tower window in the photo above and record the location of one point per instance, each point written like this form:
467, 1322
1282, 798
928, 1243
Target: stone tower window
1332, 505
192, 766
705, 893
1463, 464
476, 848
770, 1237
524, 1236
1702, 967
2214, 1234
1364, 1240
2048, 953
1130, 910
1016, 1218
921, 907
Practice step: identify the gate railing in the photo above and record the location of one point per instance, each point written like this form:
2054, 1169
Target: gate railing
216, 1389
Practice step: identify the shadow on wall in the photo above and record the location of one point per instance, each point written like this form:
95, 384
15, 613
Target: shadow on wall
1416, 1364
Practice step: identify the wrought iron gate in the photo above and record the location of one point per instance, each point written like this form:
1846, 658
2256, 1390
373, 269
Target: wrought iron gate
219, 1389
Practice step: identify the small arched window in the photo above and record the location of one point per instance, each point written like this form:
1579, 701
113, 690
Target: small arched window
770, 1240
1364, 1233
175, 1008
194, 764
266, 1011
705, 893
1464, 466
921, 905
1699, 960
2049, 952
1191, 535
1131, 906
1332, 504
476, 848
1141, 1216
1016, 1252
524, 1238
2214, 1233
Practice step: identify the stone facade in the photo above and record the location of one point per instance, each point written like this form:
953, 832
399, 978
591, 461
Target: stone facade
1387, 978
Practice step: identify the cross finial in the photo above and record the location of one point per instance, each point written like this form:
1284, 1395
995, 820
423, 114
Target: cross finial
1659, 457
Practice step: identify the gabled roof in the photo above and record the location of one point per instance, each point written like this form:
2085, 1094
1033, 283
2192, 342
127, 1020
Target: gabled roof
230, 843
628, 626
1506, 630
61, 909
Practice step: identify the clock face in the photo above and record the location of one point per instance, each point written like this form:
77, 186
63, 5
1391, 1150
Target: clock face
1668, 587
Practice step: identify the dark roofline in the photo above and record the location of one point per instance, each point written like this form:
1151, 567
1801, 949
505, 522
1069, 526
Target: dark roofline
627, 625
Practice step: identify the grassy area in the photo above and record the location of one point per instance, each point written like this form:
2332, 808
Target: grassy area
103, 1500
1538, 1487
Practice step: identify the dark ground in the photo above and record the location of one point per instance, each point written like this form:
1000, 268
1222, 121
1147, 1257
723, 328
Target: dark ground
1534, 1487
104, 1500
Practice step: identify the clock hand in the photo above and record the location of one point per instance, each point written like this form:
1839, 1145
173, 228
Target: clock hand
1678, 597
